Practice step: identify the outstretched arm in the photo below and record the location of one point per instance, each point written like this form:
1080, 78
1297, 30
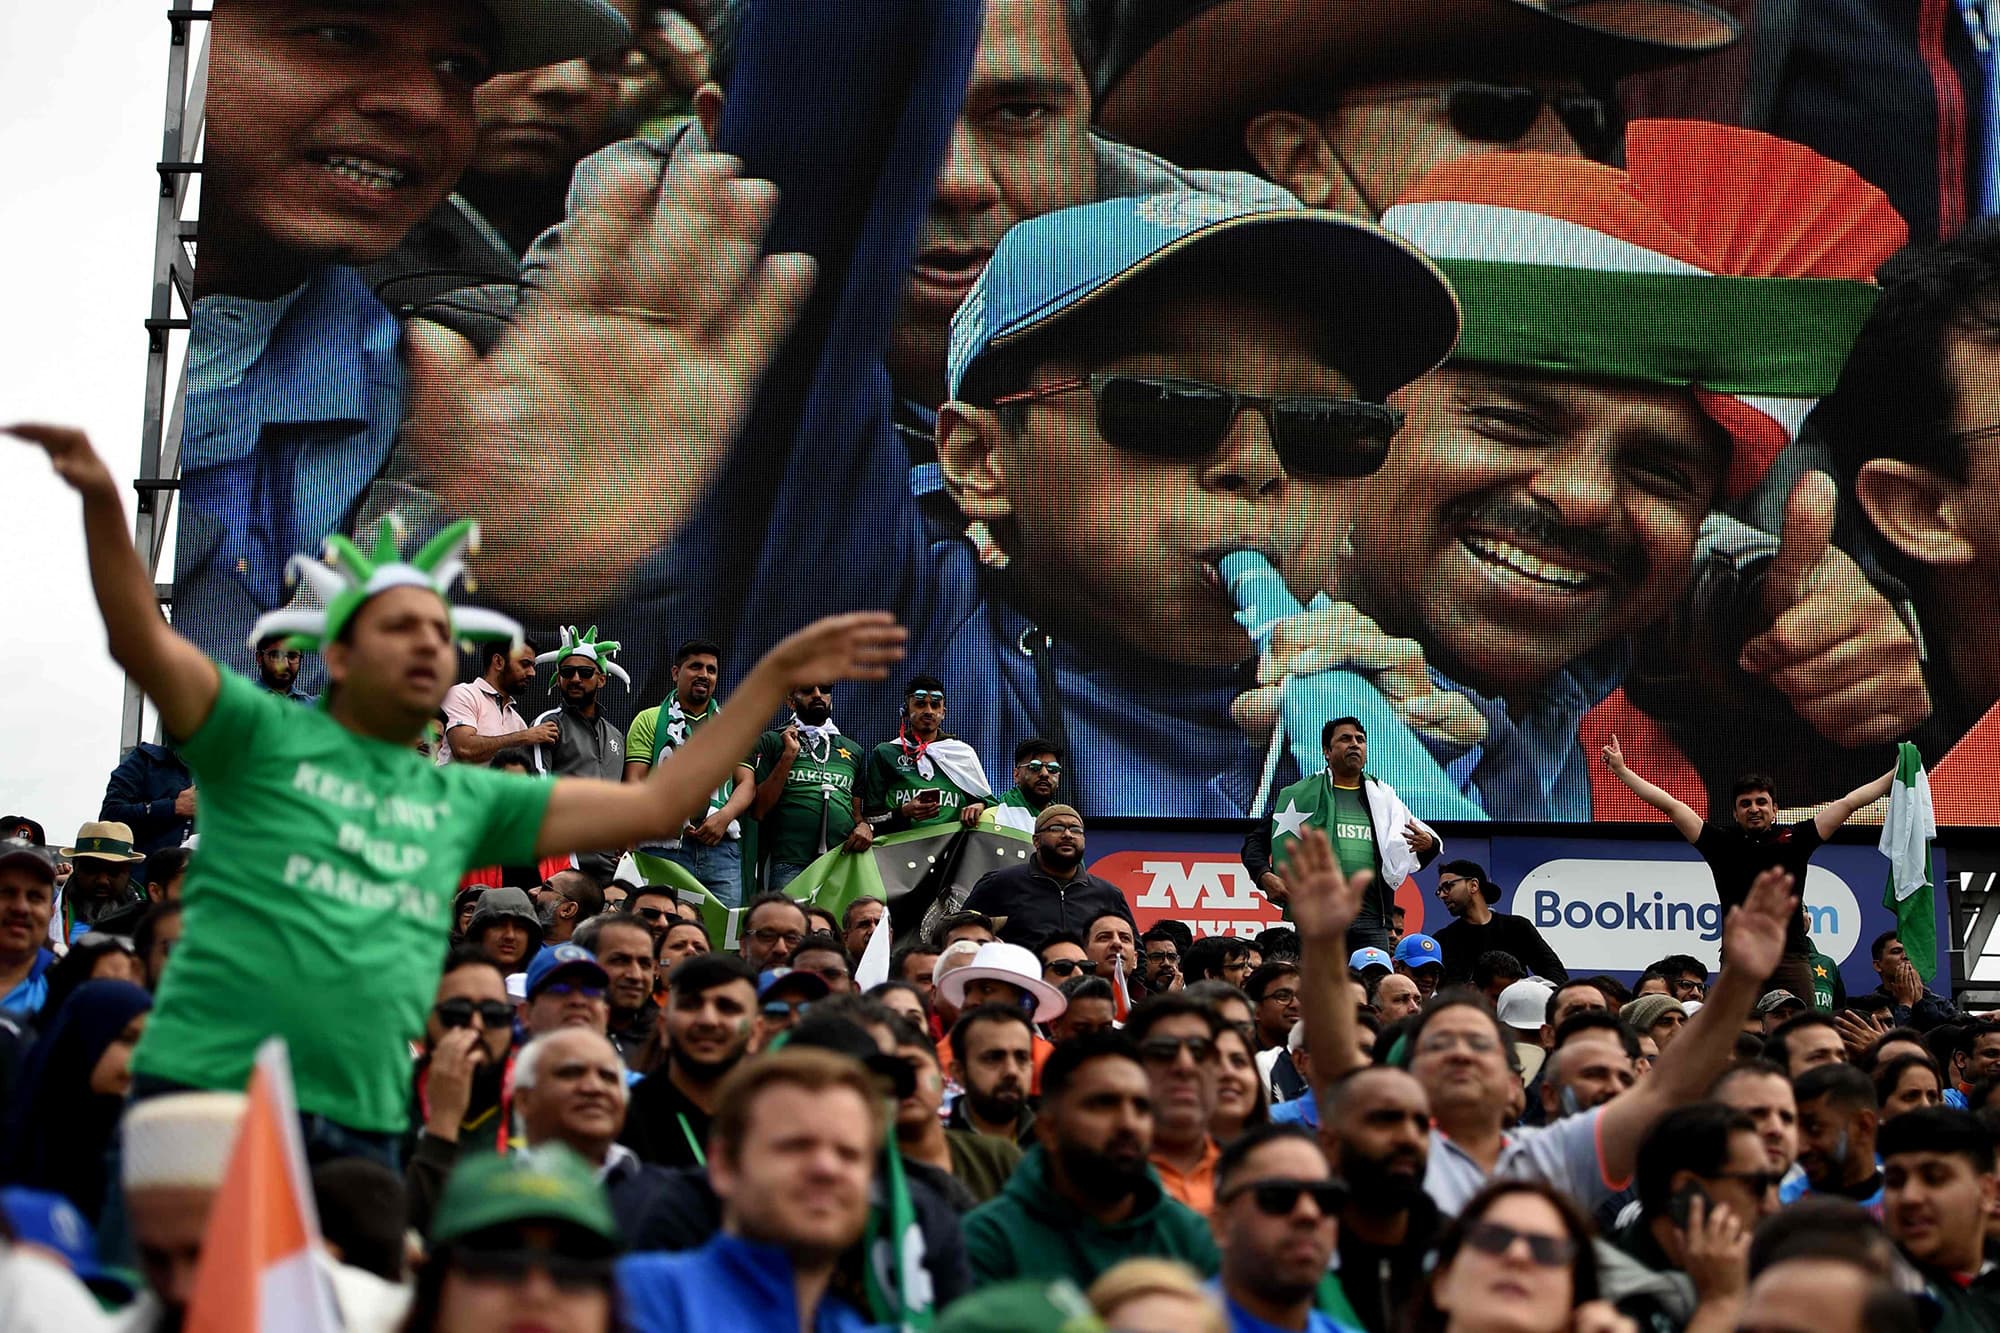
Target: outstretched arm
1324, 904
1753, 940
177, 676
1683, 815
585, 813
1835, 813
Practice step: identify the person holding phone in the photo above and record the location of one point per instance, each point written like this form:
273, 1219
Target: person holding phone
925, 776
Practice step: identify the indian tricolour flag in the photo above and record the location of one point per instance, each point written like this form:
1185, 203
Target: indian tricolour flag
259, 1269
1907, 832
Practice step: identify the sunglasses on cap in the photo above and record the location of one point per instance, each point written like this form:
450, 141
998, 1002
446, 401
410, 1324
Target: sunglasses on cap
1496, 1238
458, 1011
1064, 967
1160, 416
1280, 1197
1048, 766
1503, 113
577, 672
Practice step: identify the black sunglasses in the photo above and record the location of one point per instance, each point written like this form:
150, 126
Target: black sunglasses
1503, 113
1163, 416
1280, 1198
567, 1272
657, 913
458, 1011
577, 673
1062, 967
1166, 1050
1496, 1238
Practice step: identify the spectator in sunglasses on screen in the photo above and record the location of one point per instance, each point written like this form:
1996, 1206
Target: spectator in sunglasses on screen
1531, 528
1346, 104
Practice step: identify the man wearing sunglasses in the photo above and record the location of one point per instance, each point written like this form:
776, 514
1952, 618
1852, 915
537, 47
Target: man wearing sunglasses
925, 776
1037, 774
809, 789
1275, 1222
587, 744
1704, 1182
461, 1091
1533, 531
1175, 1037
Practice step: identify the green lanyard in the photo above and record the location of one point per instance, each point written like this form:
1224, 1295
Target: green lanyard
694, 1144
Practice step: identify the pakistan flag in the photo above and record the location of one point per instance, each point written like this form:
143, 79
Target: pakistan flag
1319, 802
922, 873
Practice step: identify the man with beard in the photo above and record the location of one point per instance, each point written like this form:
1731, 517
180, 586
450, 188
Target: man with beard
586, 744
461, 1090
993, 1051
809, 791
710, 849
1175, 1037
99, 891
978, 1163
1037, 774
564, 902
773, 928
1752, 842
1084, 1198
480, 718
1531, 525
278, 667
1050, 892
1276, 1202
1376, 1133
623, 946
711, 1001
1838, 1118
1466, 892
857, 923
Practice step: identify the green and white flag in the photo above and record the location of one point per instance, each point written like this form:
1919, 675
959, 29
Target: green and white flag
722, 921
912, 871
899, 1283
1907, 832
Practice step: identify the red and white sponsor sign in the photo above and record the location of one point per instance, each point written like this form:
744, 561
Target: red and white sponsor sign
1213, 894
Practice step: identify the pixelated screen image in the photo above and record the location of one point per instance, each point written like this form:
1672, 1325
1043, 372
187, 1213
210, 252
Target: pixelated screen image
1183, 375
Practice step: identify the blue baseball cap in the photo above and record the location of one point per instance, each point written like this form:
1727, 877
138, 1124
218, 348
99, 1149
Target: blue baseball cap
39, 1217
1419, 951
1363, 959
807, 985
1390, 315
564, 958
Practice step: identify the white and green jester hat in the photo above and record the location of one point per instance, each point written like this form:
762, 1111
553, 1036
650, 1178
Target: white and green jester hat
586, 644
344, 579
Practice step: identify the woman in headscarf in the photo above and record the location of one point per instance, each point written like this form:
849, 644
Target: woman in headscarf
72, 1092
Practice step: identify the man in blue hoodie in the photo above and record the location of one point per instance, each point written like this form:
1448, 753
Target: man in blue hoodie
791, 1154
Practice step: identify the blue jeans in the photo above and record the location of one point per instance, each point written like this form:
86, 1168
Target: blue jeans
719, 868
780, 873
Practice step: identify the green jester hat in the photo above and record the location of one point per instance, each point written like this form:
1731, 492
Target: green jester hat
586, 644
344, 579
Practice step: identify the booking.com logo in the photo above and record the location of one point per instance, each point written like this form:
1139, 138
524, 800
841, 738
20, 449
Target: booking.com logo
1624, 915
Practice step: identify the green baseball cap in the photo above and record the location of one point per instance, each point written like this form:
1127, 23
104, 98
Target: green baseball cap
546, 1184
1033, 1305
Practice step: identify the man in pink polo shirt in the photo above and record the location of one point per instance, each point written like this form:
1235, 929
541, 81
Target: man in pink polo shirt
479, 715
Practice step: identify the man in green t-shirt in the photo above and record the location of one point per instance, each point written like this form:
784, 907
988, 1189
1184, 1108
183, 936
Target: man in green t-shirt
808, 789
709, 848
924, 776
318, 903
1037, 773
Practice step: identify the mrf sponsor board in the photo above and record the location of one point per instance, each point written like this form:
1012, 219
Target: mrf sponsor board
1604, 904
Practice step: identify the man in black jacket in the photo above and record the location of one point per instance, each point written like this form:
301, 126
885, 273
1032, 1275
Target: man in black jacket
1476, 928
1051, 891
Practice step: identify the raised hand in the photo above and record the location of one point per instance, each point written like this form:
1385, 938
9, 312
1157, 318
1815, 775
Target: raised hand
1753, 937
1323, 901
1614, 755
1835, 646
609, 407
76, 461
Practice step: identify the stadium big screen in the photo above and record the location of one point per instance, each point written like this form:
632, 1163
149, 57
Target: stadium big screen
1610, 508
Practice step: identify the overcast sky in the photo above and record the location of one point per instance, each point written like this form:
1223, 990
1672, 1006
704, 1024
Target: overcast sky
86, 84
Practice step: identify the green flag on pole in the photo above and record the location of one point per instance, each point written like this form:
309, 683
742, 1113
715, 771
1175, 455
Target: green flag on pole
899, 1284
1907, 832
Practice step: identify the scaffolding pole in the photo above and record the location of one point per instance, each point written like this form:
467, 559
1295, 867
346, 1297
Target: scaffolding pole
167, 316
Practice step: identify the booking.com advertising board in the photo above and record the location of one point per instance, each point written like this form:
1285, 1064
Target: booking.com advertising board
1610, 905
